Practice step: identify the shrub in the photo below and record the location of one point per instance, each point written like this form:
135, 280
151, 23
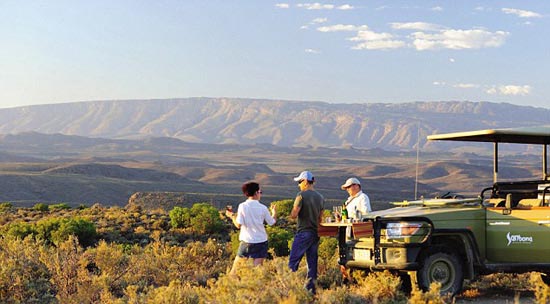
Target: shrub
431, 296
379, 287
20, 230
60, 206
57, 230
284, 207
23, 278
40, 207
175, 292
83, 229
271, 282
541, 290
202, 218
4, 207
278, 239
205, 219
328, 247
180, 217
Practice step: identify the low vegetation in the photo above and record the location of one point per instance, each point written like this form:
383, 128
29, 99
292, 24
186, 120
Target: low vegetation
130, 255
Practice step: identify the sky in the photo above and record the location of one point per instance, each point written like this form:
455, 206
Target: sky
334, 51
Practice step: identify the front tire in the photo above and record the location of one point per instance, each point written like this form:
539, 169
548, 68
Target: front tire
442, 267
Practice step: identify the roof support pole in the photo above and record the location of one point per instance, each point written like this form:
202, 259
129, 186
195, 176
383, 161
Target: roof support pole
545, 162
495, 162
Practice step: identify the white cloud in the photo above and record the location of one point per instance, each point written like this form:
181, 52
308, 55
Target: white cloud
437, 9
319, 20
509, 90
465, 86
439, 83
315, 6
313, 22
345, 7
521, 13
458, 39
371, 36
369, 40
451, 59
421, 26
379, 45
342, 28
282, 5
312, 51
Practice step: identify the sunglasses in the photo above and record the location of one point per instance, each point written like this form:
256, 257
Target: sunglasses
300, 181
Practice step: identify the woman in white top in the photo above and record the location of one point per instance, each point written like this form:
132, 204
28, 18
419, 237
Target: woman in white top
250, 218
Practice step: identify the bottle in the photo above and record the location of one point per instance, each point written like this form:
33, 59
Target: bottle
358, 216
344, 213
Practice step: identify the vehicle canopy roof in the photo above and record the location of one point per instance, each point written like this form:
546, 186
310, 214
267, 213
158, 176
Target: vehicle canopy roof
528, 135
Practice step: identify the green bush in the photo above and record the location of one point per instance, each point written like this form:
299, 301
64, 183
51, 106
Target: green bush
4, 207
60, 206
180, 217
83, 229
278, 240
202, 218
40, 207
20, 230
283, 207
205, 218
57, 230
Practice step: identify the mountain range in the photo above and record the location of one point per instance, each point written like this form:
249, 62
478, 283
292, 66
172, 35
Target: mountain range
277, 122
203, 149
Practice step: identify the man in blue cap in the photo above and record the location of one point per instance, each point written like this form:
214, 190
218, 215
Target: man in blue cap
308, 208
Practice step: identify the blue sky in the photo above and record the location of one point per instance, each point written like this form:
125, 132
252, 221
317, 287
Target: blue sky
334, 51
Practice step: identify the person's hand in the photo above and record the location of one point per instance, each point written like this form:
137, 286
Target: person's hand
229, 213
273, 210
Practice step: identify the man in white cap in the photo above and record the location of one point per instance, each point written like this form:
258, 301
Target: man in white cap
358, 203
308, 208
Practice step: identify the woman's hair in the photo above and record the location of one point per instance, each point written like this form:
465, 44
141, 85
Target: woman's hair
250, 188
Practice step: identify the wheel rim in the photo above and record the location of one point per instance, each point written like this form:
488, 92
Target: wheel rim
442, 271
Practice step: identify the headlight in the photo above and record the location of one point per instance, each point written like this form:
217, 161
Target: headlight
402, 229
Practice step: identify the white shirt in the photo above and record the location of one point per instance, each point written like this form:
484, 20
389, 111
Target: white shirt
359, 202
251, 215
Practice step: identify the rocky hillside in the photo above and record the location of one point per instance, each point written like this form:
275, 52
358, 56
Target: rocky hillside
282, 123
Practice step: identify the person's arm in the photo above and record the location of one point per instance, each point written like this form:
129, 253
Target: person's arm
296, 208
271, 218
366, 204
233, 217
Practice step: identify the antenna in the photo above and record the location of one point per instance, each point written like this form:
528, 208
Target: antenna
417, 160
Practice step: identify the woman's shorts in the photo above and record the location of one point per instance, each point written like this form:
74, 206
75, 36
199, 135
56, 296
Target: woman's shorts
252, 250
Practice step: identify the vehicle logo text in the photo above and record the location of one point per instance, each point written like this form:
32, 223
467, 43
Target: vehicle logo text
516, 238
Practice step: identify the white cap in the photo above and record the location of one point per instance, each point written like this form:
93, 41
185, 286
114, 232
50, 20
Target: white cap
350, 181
304, 175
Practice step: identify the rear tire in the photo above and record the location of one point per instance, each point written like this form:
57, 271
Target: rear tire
442, 267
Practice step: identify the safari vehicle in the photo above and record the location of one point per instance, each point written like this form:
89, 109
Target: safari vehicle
448, 240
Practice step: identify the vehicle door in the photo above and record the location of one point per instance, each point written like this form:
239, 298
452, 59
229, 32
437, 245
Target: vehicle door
521, 234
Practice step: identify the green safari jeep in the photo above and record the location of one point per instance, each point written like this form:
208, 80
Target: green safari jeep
448, 240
